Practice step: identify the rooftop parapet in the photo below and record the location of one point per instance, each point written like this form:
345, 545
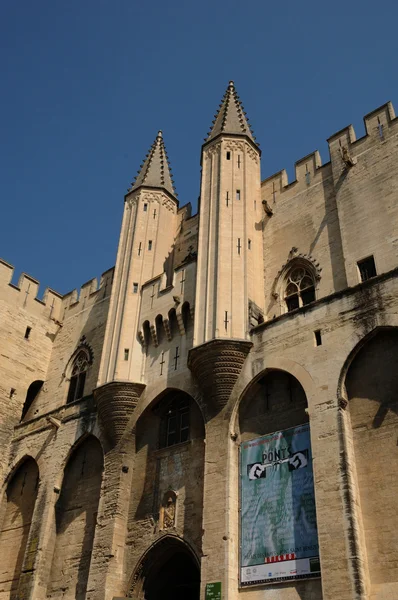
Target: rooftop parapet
89, 293
379, 124
25, 293
306, 170
160, 300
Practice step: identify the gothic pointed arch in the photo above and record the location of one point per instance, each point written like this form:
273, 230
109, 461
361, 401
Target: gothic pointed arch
77, 369
297, 281
170, 569
16, 512
75, 520
30, 409
275, 400
369, 392
272, 426
169, 466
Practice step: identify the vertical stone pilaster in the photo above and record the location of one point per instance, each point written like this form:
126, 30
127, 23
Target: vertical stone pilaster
38, 554
107, 569
217, 365
356, 547
116, 402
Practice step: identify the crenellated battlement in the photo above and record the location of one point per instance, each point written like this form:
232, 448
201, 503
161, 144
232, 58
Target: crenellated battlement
379, 124
53, 304
90, 293
160, 300
25, 293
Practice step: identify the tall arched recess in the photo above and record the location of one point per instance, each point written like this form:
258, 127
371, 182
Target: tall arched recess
371, 386
277, 518
169, 471
16, 512
75, 520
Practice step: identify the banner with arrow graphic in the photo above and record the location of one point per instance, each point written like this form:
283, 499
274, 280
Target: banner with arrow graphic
279, 539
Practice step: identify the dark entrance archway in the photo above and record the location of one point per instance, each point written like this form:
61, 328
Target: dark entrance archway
169, 571
177, 579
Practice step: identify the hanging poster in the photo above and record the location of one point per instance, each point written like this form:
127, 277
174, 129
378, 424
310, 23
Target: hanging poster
279, 539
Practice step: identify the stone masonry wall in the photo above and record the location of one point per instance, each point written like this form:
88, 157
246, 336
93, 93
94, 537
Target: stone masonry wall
288, 343
22, 360
336, 214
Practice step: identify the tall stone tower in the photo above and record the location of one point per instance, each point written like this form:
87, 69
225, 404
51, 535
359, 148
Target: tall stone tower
230, 250
145, 245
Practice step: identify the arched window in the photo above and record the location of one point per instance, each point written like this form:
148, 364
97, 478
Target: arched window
146, 328
186, 315
78, 376
173, 323
174, 427
299, 288
31, 395
159, 328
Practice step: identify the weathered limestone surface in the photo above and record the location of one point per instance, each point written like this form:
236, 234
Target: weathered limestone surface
180, 341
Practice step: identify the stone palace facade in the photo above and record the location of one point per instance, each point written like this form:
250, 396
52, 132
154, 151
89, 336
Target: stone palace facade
123, 407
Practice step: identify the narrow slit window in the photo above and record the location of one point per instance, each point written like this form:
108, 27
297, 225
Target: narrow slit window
126, 354
307, 175
228, 156
27, 332
145, 207
367, 268
227, 199
150, 245
249, 244
154, 213
239, 246
135, 288
238, 194
318, 337
380, 128
238, 161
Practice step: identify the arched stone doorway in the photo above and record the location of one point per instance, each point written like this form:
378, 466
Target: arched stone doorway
169, 571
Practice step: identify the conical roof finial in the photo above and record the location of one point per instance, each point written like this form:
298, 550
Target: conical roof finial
230, 117
155, 170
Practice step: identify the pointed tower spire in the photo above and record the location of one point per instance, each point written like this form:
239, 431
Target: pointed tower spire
155, 170
230, 117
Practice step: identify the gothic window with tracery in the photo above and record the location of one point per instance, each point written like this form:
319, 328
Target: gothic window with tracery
300, 288
78, 376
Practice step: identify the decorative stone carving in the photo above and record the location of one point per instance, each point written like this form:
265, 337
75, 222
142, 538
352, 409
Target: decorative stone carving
217, 365
295, 258
215, 149
116, 402
233, 145
168, 510
252, 154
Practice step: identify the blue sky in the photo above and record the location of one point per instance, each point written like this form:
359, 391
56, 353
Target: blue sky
86, 84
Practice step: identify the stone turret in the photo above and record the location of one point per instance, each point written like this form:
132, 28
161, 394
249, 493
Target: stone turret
146, 241
230, 252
